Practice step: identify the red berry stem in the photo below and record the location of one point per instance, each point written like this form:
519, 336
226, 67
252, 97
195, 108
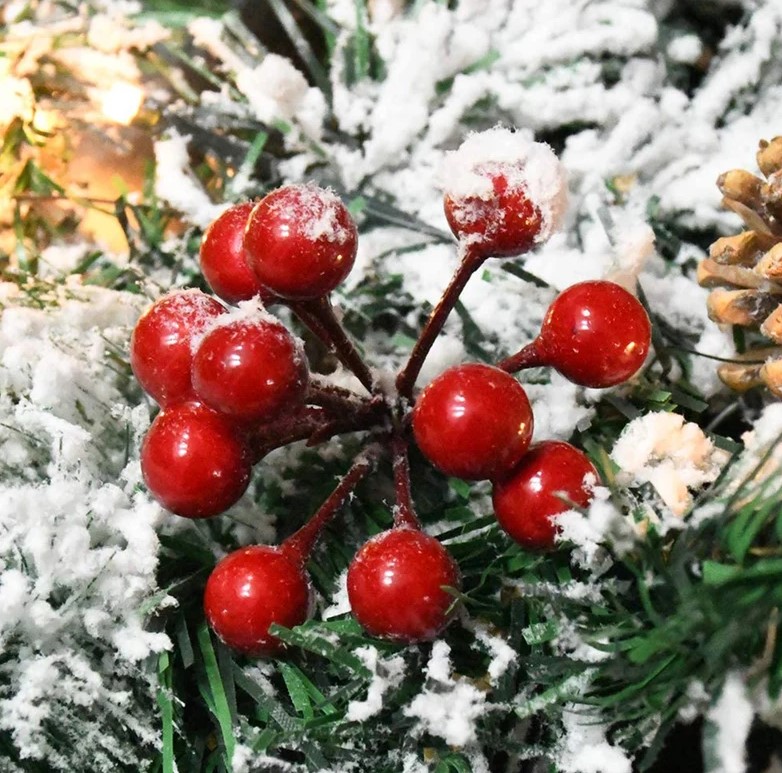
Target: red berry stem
318, 315
300, 544
527, 357
371, 415
404, 512
471, 260
313, 424
333, 397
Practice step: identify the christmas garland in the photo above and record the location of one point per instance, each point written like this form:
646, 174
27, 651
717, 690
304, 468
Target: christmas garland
139, 140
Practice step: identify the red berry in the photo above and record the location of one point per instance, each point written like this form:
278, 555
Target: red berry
596, 334
160, 352
526, 502
194, 461
250, 369
473, 421
251, 589
300, 241
395, 585
223, 262
504, 224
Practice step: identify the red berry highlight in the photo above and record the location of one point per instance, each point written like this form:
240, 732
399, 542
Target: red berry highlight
222, 258
160, 347
250, 369
595, 334
526, 502
252, 589
194, 462
502, 225
473, 421
300, 241
395, 585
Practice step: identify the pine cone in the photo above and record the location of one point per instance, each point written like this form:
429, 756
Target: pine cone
746, 269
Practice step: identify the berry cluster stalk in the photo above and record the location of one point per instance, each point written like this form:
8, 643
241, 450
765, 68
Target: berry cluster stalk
318, 315
470, 262
300, 544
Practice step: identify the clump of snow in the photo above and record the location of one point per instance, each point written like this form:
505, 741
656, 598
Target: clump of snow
276, 90
527, 165
387, 673
449, 705
732, 716
604, 524
340, 603
176, 184
584, 747
503, 655
112, 33
757, 469
685, 49
675, 456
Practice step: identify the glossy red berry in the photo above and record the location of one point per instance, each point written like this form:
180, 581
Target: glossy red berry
250, 369
194, 461
160, 347
526, 502
300, 241
223, 262
395, 585
473, 421
596, 334
500, 225
251, 589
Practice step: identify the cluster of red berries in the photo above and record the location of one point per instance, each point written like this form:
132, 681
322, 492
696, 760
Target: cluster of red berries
233, 385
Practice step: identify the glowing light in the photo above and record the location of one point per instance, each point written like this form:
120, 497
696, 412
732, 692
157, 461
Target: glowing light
45, 121
121, 102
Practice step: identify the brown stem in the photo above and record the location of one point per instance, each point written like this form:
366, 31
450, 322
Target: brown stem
333, 397
300, 544
528, 357
312, 424
318, 315
311, 322
404, 512
469, 264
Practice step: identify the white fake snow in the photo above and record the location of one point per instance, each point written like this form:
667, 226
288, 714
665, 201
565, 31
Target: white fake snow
586, 749
386, 674
526, 164
674, 456
176, 184
448, 706
732, 715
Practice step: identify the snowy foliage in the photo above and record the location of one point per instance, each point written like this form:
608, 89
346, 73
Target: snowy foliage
78, 544
644, 111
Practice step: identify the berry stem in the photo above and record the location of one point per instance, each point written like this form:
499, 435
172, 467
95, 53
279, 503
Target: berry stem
333, 397
528, 357
318, 315
312, 424
470, 262
300, 544
404, 512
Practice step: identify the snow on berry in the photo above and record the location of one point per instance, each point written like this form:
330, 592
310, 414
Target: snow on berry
499, 183
300, 241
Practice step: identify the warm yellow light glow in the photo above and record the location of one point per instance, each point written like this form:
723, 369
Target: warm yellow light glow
121, 102
44, 121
